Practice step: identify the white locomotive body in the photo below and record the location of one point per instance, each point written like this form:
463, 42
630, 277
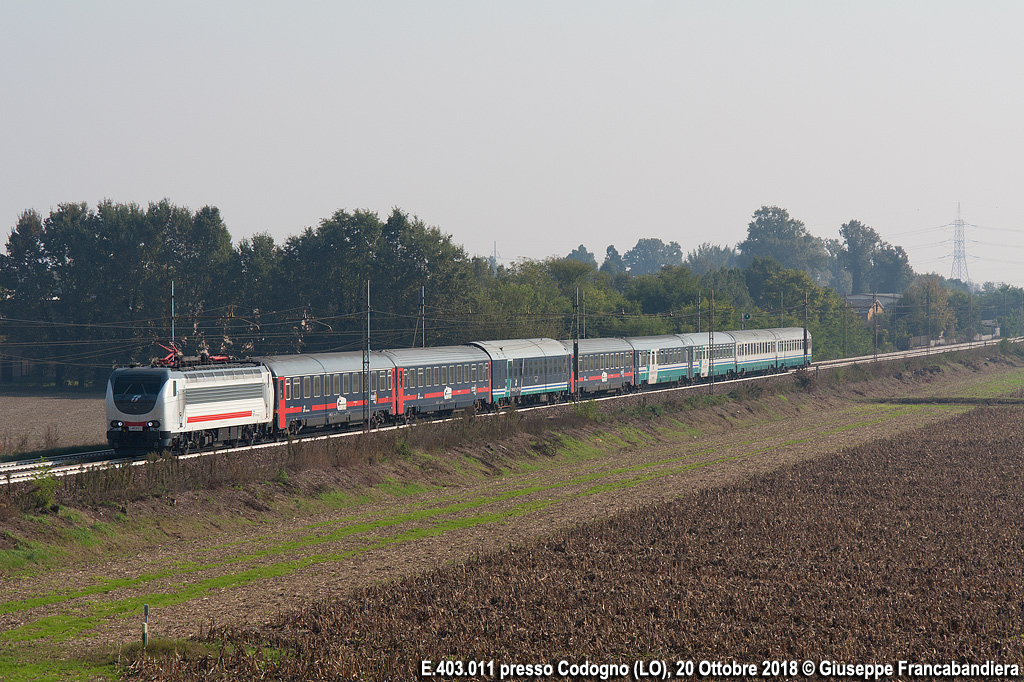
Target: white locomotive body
163, 408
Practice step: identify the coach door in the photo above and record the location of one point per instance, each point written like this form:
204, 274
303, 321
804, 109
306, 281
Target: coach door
516, 371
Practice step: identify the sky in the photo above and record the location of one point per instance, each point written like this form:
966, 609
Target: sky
530, 127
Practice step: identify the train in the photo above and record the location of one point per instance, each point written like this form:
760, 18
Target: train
178, 405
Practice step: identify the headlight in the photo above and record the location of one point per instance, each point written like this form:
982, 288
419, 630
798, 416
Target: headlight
153, 424
116, 424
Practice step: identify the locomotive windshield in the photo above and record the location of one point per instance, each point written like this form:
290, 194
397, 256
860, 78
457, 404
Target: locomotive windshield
135, 391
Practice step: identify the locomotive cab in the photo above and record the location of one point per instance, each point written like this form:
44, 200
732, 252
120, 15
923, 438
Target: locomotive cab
136, 399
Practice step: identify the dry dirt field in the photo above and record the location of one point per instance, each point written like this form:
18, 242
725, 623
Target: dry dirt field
247, 559
29, 423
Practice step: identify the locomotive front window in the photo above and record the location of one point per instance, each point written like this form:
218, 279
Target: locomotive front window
135, 392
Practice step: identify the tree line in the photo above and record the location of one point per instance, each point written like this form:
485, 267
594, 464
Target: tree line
83, 289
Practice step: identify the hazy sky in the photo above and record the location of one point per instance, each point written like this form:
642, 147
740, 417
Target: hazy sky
536, 125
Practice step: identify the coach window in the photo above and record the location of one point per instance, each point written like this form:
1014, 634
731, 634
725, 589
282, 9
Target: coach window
458, 374
419, 377
337, 384
287, 389
316, 386
306, 387
444, 375
346, 385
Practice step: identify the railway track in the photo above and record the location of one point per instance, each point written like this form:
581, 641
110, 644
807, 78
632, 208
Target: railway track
22, 471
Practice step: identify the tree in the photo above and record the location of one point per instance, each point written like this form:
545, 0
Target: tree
651, 255
581, 254
839, 277
924, 309
612, 264
710, 257
668, 290
774, 234
891, 271
861, 246
757, 273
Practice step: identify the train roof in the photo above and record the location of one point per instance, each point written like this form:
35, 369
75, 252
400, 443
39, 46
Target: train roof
655, 342
209, 372
323, 363
789, 332
611, 345
705, 338
440, 355
754, 335
514, 349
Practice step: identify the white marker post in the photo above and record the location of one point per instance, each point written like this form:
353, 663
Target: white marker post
145, 625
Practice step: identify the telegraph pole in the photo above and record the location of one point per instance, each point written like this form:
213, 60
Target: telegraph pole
928, 316
366, 365
845, 305
805, 328
575, 369
711, 343
584, 314
970, 320
698, 311
423, 316
874, 319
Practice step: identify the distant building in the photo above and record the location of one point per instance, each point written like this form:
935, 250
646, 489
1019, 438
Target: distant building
14, 369
989, 330
868, 305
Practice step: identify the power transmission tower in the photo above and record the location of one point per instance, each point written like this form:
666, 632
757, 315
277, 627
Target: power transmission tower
959, 251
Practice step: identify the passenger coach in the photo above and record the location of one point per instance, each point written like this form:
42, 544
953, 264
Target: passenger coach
526, 370
326, 389
440, 380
